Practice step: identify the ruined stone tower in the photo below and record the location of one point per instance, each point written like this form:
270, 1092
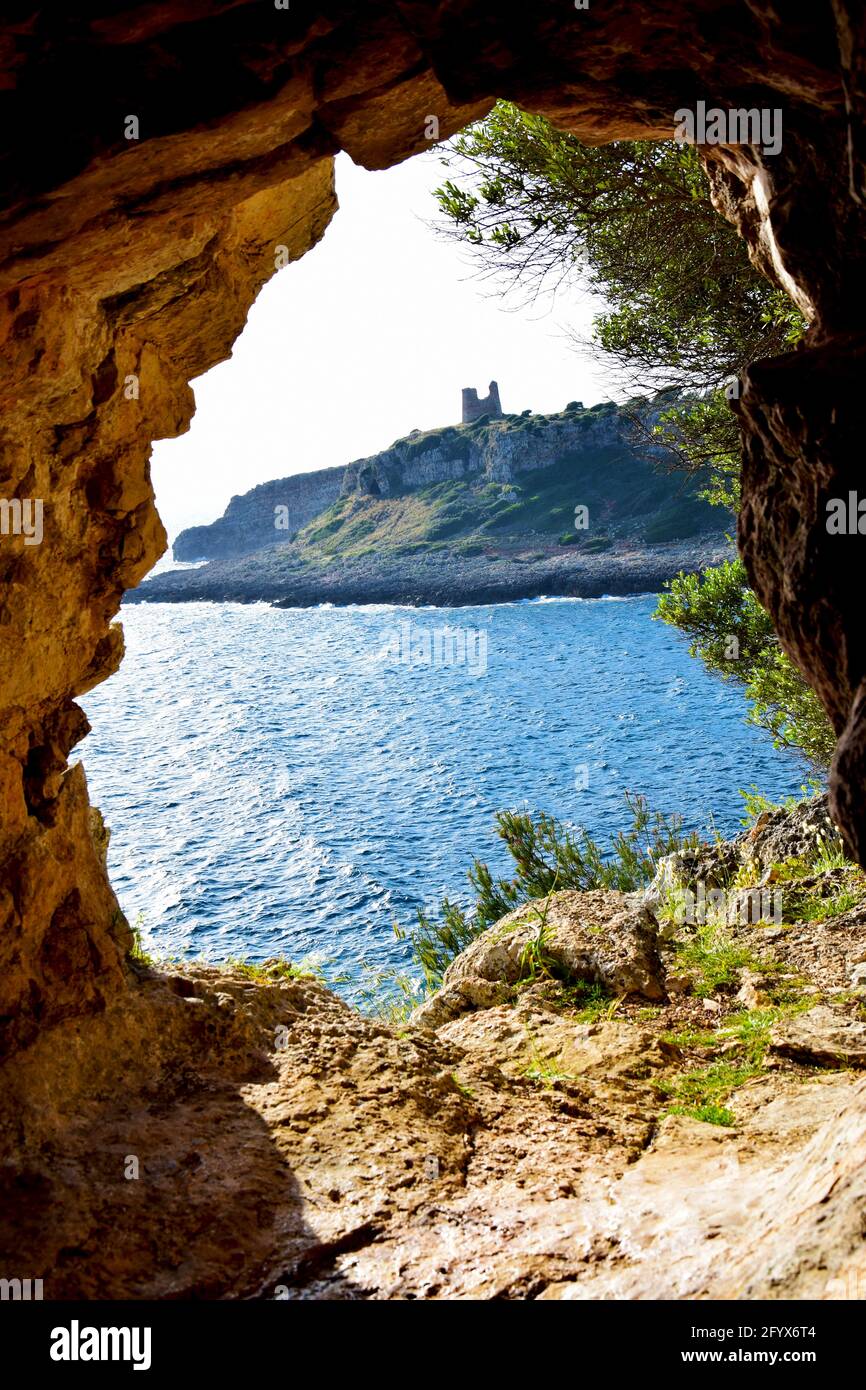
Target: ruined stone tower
473, 407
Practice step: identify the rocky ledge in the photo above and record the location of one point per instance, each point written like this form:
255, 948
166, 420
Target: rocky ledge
601, 1102
282, 577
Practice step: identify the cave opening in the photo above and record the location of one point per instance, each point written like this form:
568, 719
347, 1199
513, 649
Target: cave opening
262, 822
128, 269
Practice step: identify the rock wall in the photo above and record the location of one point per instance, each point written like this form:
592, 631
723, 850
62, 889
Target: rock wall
161, 162
264, 516
91, 371
496, 452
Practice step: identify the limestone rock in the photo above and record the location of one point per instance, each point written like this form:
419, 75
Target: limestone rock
599, 937
678, 984
752, 993
768, 1211
527, 1040
790, 834
821, 1036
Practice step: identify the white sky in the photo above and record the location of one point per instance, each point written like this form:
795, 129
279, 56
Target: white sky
372, 334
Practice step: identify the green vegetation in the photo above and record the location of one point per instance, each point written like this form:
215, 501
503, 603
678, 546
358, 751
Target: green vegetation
274, 969
700, 1092
755, 803
733, 636
713, 960
687, 312
138, 952
387, 994
267, 971
830, 855
745, 1037
815, 886
464, 514
548, 857
542, 1069
686, 1039
710, 1113
536, 962
817, 908
590, 1003
464, 1090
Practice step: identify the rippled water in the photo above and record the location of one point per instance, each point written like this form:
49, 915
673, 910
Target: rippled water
294, 781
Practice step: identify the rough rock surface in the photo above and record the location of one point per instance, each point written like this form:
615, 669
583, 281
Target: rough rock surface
822, 1036
781, 834
281, 576
287, 1147
598, 938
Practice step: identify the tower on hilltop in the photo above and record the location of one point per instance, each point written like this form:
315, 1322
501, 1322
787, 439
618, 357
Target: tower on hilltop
473, 408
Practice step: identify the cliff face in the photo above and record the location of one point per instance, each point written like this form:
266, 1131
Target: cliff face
595, 448
266, 515
495, 451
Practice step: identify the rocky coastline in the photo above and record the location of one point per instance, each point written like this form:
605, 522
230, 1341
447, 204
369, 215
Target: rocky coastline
443, 579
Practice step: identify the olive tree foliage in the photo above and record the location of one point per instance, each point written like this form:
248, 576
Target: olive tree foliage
734, 638
682, 311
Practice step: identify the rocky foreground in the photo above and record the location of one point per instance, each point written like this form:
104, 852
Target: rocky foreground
531, 1131
446, 579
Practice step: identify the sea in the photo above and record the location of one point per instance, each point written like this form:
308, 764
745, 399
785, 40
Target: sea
299, 782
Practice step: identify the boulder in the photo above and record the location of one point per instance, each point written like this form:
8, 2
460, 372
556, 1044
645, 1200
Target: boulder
822, 1037
600, 937
794, 833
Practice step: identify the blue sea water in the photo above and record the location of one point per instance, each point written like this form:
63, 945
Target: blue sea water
295, 781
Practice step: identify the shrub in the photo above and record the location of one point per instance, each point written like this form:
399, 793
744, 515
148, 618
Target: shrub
548, 857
